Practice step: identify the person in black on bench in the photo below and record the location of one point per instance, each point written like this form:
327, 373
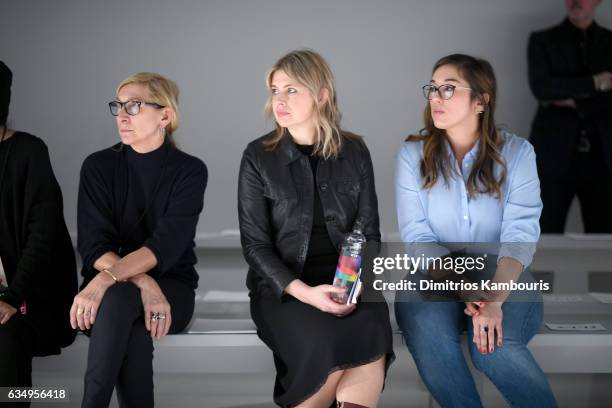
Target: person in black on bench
300, 190
139, 203
38, 276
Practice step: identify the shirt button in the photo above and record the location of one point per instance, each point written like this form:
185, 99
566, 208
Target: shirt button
324, 187
329, 218
465, 217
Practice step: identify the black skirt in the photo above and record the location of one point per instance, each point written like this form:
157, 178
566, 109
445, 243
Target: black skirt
308, 345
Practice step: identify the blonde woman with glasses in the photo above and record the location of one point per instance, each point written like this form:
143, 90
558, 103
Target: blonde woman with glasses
139, 203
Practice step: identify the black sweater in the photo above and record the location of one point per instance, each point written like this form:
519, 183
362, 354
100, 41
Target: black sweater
128, 200
35, 246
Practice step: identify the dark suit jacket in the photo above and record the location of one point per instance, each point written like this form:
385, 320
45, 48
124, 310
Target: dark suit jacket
562, 61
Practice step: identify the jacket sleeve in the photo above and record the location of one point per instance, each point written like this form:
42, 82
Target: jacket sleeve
43, 214
368, 201
96, 232
545, 85
175, 230
255, 228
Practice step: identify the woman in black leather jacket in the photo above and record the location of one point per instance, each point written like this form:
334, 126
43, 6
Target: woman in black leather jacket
301, 188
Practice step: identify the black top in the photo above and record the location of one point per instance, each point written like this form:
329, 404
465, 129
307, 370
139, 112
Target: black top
128, 200
35, 246
322, 256
562, 61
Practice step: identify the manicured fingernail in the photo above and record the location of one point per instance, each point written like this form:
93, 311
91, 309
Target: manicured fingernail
490, 349
484, 350
499, 343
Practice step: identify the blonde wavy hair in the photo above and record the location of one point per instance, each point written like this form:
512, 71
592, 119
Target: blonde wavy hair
162, 91
310, 70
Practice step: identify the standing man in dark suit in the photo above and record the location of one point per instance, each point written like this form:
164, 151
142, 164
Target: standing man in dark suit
570, 68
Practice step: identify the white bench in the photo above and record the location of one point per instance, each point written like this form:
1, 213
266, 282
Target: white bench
225, 341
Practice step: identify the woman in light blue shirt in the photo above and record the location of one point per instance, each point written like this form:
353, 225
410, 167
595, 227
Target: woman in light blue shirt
463, 180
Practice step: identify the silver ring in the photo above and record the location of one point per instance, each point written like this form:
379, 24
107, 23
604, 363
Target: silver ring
161, 316
484, 329
154, 316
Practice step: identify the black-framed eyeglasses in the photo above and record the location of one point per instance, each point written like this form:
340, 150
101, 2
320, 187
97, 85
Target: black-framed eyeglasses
131, 107
445, 91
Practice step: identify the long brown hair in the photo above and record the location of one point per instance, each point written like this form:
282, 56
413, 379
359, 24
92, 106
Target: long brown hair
312, 71
481, 79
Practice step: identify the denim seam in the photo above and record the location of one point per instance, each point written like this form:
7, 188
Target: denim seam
528, 315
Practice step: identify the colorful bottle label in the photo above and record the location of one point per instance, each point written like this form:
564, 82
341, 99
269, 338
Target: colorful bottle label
348, 267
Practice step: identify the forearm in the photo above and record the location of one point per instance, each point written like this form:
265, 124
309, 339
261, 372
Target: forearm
508, 269
131, 267
107, 260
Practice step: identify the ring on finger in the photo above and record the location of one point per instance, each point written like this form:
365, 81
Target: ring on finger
484, 329
80, 311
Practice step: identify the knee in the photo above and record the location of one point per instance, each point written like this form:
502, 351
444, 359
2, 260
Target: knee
120, 299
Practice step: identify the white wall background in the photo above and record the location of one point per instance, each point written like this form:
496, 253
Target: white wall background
68, 57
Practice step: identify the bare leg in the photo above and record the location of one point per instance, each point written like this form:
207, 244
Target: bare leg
362, 385
326, 395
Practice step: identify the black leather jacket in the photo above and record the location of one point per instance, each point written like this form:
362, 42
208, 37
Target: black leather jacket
275, 206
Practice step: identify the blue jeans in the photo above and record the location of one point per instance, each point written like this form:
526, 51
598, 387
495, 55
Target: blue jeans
432, 331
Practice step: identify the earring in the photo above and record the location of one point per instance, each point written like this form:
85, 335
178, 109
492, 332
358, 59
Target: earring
162, 132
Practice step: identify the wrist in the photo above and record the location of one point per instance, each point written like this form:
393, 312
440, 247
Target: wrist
298, 290
141, 281
105, 280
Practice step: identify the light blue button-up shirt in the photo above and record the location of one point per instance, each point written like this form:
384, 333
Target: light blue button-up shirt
445, 213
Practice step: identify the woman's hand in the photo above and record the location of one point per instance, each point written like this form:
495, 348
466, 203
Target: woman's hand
87, 302
473, 308
6, 312
157, 314
487, 323
320, 297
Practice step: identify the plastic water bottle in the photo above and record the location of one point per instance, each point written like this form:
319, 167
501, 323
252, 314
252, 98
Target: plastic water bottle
349, 262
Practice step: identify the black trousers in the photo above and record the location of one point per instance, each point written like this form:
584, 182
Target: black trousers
590, 180
121, 349
16, 348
